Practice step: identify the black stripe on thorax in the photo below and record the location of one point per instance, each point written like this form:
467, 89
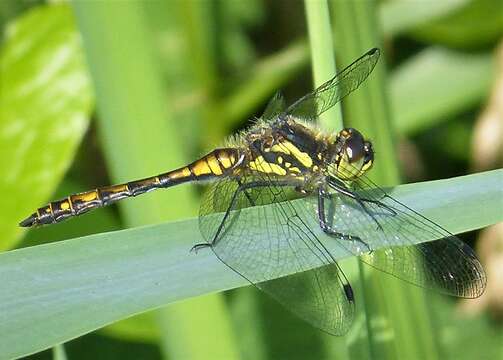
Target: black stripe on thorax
300, 136
272, 157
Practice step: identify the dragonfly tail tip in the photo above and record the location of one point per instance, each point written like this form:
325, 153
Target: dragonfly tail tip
29, 221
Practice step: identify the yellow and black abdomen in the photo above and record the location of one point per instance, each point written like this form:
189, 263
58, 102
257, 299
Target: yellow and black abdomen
219, 162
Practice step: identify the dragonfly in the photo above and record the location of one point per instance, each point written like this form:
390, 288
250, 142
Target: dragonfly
274, 183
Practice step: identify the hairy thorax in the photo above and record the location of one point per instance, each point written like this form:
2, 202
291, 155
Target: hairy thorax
287, 152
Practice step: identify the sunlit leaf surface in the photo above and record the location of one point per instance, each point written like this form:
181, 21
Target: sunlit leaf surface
53, 293
45, 102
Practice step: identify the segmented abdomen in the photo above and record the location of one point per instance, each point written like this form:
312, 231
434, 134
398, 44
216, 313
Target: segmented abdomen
219, 162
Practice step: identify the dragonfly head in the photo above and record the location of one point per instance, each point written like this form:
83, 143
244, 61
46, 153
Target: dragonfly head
353, 154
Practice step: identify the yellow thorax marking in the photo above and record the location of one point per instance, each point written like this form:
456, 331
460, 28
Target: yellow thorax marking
279, 148
259, 164
303, 157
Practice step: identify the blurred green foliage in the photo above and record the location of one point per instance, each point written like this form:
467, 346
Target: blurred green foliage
41, 125
190, 73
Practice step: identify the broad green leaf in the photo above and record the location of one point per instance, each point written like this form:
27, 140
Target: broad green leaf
399, 16
438, 83
477, 24
55, 292
45, 103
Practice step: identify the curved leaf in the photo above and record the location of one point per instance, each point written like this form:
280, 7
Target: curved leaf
45, 101
438, 83
55, 292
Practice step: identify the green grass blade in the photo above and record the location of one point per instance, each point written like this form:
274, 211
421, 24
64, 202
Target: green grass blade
387, 306
398, 17
53, 293
58, 352
45, 102
473, 26
323, 69
140, 138
322, 55
367, 108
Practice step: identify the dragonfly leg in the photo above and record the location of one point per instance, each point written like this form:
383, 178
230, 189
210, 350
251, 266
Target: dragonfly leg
241, 188
340, 188
328, 230
246, 193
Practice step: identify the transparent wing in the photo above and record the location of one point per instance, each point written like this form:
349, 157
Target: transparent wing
334, 90
262, 243
275, 107
395, 239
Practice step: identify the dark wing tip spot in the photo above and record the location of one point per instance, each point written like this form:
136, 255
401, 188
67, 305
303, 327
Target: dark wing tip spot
349, 292
374, 50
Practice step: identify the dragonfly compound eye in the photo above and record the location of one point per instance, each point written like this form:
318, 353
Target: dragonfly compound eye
355, 154
355, 148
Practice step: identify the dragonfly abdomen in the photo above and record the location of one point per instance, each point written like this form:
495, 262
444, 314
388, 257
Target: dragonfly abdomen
77, 204
217, 163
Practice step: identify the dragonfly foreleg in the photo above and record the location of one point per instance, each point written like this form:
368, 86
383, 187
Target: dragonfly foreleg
340, 188
322, 219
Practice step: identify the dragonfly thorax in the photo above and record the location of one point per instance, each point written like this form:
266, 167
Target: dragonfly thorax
287, 149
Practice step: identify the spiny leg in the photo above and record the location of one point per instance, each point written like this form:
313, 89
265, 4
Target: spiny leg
326, 228
246, 193
241, 188
336, 185
339, 186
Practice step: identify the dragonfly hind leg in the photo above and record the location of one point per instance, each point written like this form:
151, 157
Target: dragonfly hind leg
322, 220
242, 187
